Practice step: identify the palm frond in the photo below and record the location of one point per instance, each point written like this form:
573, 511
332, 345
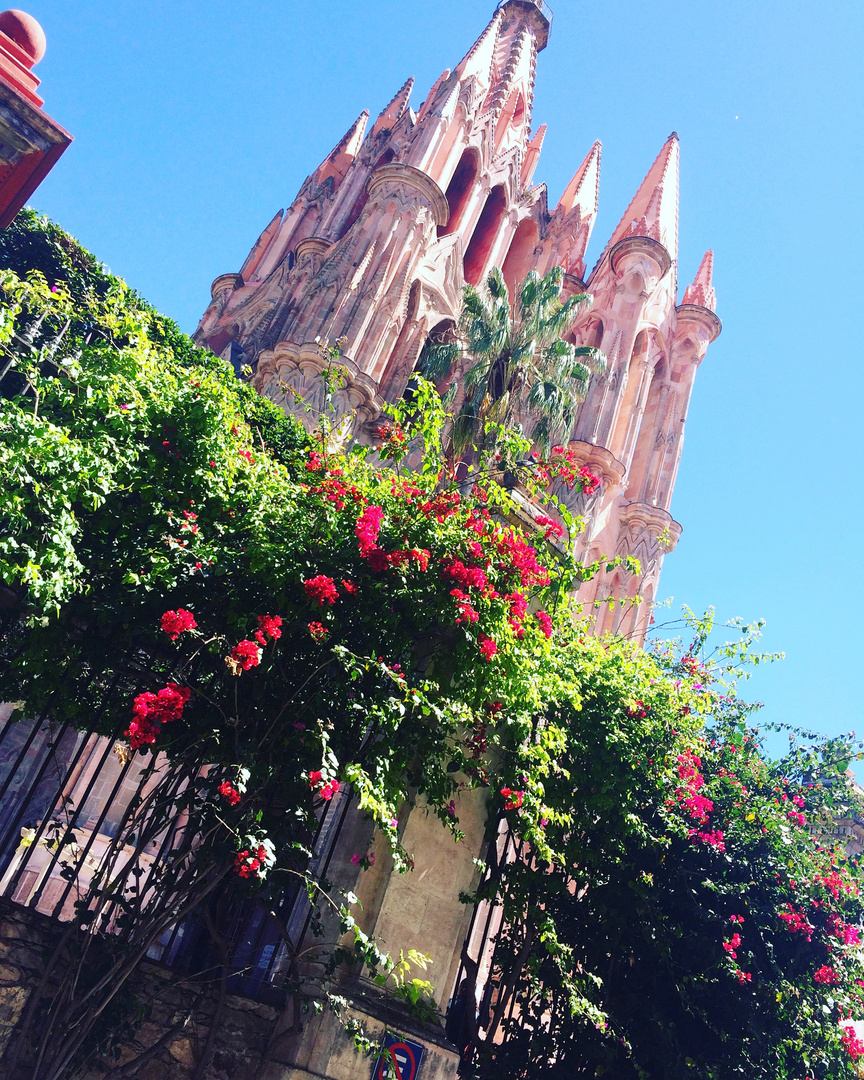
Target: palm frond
463, 429
436, 360
592, 357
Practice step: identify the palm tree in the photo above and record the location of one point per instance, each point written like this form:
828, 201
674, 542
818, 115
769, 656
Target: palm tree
518, 362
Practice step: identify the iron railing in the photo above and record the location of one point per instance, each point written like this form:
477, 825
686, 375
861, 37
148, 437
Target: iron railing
67, 802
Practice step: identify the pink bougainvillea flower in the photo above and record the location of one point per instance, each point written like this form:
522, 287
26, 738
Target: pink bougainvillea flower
851, 1043
826, 976
552, 527
545, 623
174, 623
322, 589
367, 528
488, 647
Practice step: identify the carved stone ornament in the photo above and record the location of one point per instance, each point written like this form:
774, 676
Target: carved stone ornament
291, 376
641, 245
406, 176
647, 532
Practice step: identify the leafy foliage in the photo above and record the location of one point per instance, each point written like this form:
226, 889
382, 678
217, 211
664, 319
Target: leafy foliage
187, 573
518, 361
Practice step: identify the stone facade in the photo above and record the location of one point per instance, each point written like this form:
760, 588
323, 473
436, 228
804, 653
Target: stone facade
382, 237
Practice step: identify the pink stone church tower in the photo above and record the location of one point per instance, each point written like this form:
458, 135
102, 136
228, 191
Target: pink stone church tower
383, 236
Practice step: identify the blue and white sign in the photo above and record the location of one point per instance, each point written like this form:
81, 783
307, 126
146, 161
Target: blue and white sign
400, 1059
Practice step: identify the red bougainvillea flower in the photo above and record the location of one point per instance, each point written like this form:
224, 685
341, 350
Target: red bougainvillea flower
229, 793
270, 626
545, 623
466, 611
150, 711
512, 799
318, 631
322, 589
826, 976
349, 586
245, 655
487, 647
589, 483
325, 788
254, 861
174, 623
420, 556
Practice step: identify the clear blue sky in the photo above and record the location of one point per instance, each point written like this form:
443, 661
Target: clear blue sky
195, 122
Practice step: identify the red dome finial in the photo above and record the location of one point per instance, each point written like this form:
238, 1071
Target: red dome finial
27, 34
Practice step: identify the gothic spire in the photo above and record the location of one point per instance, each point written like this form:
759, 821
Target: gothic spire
584, 189
701, 292
532, 155
257, 253
343, 153
478, 60
394, 111
653, 211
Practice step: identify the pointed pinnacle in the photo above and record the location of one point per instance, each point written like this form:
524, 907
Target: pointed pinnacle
478, 59
584, 189
701, 292
393, 112
532, 155
653, 211
343, 153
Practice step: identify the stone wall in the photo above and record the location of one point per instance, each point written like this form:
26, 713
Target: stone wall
249, 1040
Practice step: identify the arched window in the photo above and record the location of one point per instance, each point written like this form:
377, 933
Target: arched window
459, 190
485, 233
518, 261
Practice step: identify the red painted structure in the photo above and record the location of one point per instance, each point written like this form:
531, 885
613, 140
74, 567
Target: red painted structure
30, 140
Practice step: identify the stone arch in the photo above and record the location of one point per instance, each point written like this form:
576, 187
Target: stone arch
519, 255
458, 193
484, 236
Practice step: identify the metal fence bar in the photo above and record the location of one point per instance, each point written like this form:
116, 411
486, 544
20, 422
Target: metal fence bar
100, 821
47, 820
25, 804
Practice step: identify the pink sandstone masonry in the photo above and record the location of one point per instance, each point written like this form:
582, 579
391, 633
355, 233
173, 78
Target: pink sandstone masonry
384, 234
